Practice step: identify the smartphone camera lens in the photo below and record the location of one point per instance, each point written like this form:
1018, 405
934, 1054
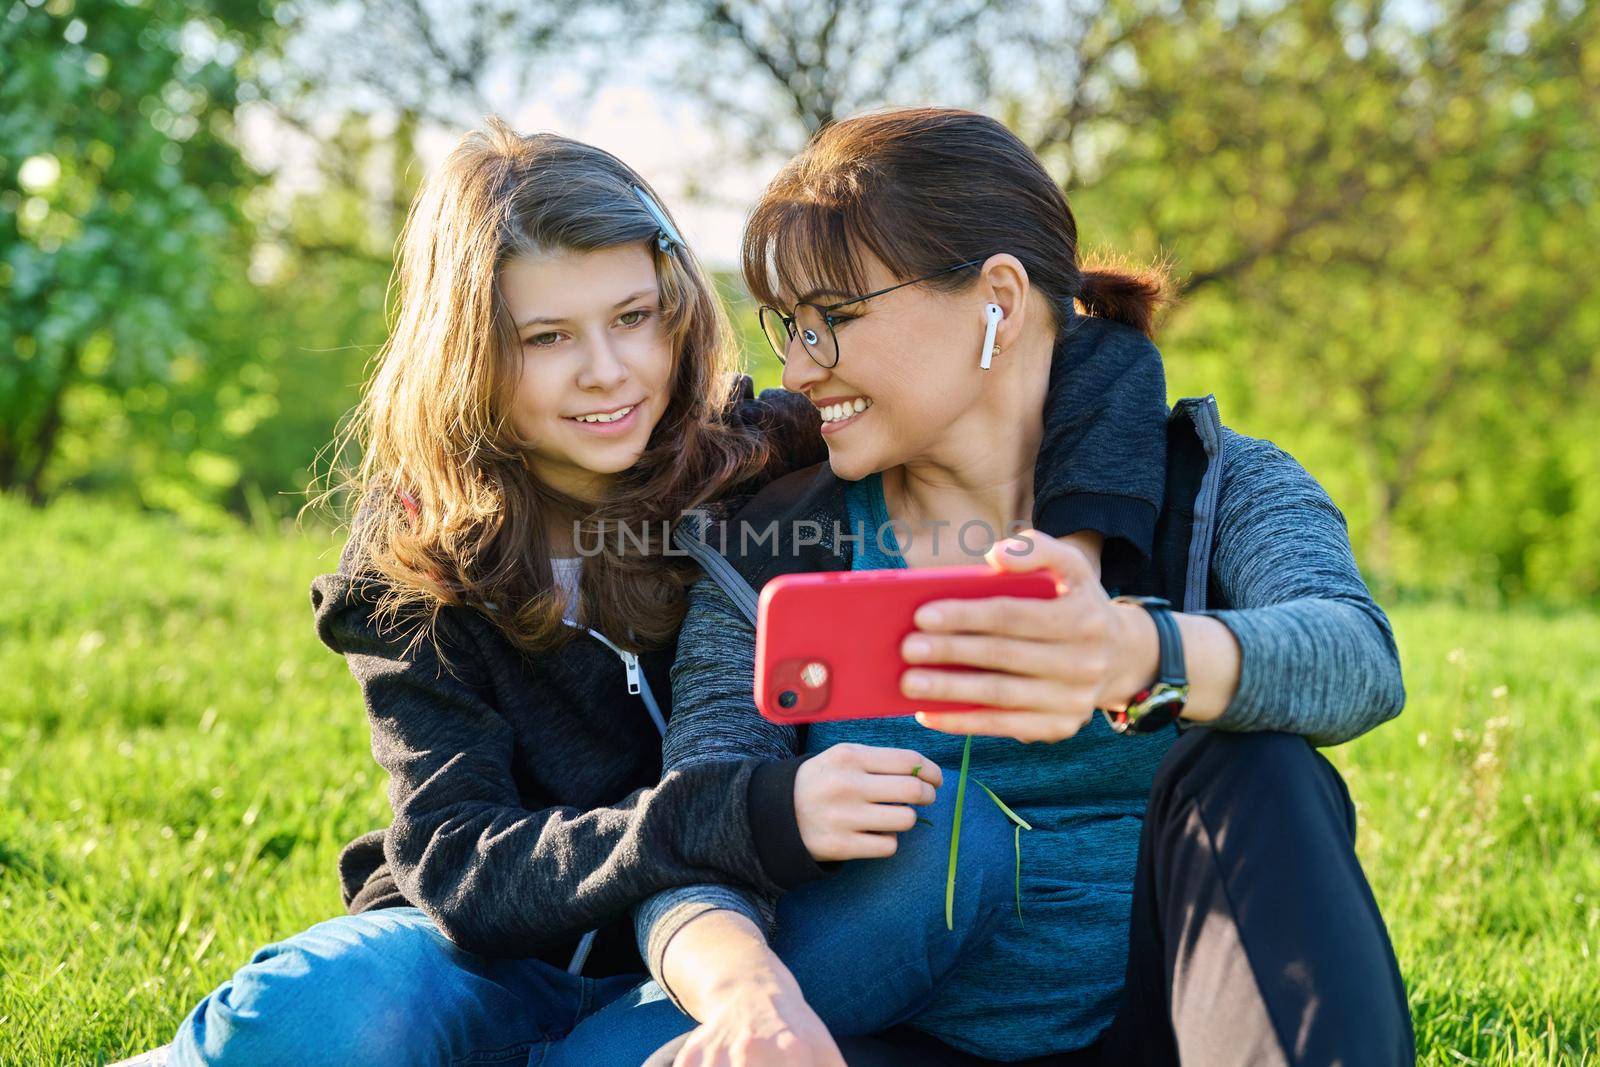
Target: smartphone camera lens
788, 698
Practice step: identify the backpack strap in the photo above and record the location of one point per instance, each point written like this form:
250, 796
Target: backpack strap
718, 569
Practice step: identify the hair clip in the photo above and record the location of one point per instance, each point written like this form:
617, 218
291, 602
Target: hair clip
667, 234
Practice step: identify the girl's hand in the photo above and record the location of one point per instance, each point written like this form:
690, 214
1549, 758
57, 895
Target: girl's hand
851, 800
1044, 665
762, 1027
724, 974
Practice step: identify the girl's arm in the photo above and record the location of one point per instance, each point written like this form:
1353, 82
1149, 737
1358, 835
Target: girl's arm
791, 424
502, 878
714, 721
1102, 456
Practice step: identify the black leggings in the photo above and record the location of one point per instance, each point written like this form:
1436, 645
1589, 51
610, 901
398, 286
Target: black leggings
1254, 938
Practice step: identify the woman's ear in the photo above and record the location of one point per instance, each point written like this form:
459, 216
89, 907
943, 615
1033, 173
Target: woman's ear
1004, 281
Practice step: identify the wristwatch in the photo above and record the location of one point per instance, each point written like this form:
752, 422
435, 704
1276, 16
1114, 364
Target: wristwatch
1160, 704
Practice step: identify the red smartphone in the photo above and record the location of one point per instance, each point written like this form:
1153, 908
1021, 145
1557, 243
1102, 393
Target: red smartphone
828, 644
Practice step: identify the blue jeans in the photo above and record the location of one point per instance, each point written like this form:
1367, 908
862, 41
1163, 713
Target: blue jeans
868, 945
386, 987
1253, 935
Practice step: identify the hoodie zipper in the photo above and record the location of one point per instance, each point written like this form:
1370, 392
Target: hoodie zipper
636, 687
630, 661
1208, 427
630, 665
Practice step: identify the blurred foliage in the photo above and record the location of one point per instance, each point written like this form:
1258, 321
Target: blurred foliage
119, 201
1380, 218
1385, 233
155, 348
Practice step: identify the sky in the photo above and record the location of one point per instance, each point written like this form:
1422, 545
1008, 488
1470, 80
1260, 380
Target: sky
662, 135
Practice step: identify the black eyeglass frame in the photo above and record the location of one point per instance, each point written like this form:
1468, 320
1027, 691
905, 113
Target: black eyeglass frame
826, 311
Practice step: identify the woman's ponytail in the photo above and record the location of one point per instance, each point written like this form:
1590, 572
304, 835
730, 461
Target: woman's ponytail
1131, 297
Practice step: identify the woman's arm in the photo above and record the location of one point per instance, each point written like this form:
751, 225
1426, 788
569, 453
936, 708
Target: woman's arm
499, 878
1317, 654
848, 802
753, 1009
1299, 646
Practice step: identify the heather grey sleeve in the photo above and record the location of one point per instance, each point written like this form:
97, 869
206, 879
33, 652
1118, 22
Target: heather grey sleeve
1318, 654
714, 720
713, 675
659, 919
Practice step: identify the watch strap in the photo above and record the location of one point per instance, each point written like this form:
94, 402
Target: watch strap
1160, 704
1170, 667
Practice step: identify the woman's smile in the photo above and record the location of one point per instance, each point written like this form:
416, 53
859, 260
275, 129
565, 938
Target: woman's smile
840, 411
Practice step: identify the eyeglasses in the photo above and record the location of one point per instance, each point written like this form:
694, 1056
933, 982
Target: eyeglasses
813, 323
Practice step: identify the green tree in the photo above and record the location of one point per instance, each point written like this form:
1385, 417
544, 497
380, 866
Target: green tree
1382, 229
118, 185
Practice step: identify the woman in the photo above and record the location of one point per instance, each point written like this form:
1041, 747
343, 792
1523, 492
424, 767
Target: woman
559, 365
1185, 893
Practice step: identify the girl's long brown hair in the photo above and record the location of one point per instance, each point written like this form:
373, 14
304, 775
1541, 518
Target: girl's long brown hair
448, 511
923, 189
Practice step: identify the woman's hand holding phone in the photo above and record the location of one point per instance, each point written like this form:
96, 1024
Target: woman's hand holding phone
1043, 665
852, 800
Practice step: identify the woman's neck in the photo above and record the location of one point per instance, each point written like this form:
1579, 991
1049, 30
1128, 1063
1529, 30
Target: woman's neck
929, 498
982, 469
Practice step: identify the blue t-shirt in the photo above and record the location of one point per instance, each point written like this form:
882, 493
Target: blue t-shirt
1060, 968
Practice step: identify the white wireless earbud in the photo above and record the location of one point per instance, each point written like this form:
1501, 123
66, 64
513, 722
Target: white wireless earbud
992, 315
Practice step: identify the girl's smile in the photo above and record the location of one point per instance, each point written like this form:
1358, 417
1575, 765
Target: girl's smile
610, 423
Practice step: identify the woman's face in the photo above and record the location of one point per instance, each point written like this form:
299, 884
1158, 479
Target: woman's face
596, 363
910, 356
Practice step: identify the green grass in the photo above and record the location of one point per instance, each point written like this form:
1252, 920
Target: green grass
180, 761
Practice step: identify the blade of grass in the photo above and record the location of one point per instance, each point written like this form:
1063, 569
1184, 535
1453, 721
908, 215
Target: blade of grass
955, 838
1016, 834
1013, 816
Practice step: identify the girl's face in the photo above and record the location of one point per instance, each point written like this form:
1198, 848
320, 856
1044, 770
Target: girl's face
910, 356
596, 363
